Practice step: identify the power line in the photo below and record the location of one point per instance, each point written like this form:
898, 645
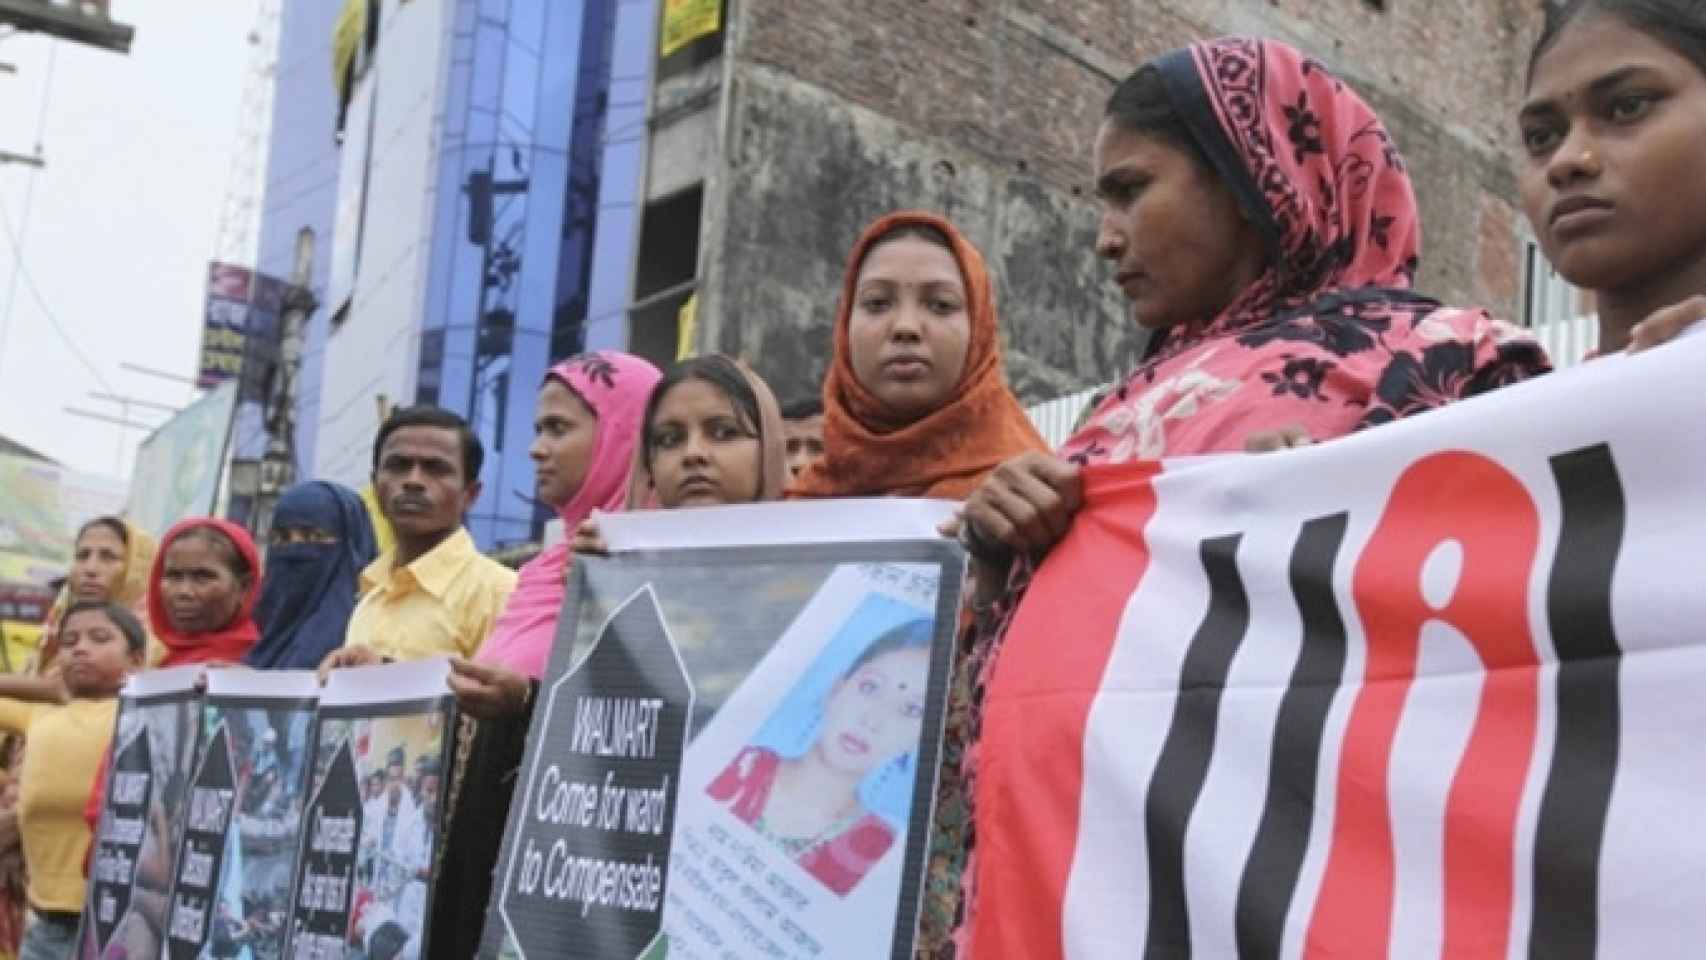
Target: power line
41, 303
29, 200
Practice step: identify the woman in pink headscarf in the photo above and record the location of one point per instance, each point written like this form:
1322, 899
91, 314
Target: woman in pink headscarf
585, 430
586, 426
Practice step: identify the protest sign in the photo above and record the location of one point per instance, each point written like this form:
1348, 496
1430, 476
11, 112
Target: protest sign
130, 867
373, 824
232, 874
735, 745
1428, 690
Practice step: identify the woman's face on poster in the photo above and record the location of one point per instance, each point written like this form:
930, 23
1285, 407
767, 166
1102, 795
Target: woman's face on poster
876, 712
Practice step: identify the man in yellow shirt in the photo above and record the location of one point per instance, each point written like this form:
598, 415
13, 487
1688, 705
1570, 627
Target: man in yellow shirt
432, 593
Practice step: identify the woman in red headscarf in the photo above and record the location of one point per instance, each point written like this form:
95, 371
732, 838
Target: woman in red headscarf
201, 602
1263, 225
201, 598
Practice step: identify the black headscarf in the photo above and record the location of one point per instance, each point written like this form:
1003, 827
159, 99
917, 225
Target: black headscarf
310, 589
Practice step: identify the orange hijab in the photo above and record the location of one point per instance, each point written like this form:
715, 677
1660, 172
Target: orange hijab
948, 452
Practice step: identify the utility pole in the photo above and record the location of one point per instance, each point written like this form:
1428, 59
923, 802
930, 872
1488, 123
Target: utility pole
87, 22
278, 464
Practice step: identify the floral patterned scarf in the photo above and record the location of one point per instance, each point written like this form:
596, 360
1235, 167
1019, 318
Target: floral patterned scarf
1330, 338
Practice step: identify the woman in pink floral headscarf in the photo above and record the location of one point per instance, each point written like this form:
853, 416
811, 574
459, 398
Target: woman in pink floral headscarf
586, 426
1262, 223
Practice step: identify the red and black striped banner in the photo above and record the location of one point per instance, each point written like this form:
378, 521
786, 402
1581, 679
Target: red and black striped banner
1432, 690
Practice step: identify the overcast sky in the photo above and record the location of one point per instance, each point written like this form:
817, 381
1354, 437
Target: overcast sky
124, 218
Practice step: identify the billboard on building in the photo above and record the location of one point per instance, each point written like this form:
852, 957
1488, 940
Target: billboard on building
41, 506
178, 466
352, 195
240, 330
685, 21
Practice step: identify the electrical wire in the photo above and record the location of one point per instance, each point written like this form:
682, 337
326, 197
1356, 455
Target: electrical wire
41, 302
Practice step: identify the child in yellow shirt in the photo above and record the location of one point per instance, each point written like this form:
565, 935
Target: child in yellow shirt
100, 643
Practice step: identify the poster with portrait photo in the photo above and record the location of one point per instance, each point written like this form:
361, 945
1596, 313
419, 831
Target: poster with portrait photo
237, 847
130, 865
735, 746
374, 821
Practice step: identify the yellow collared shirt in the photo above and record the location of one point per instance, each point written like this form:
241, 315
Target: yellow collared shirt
444, 603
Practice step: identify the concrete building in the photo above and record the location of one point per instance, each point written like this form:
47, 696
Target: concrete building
821, 114
519, 180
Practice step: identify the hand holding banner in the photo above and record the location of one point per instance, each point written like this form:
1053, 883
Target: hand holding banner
1416, 689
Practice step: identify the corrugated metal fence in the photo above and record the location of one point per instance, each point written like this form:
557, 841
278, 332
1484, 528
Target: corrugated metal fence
1568, 341
1054, 419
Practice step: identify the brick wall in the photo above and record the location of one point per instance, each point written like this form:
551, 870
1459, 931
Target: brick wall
987, 109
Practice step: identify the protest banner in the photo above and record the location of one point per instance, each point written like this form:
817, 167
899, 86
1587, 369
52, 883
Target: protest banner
1428, 690
232, 874
130, 867
735, 744
364, 872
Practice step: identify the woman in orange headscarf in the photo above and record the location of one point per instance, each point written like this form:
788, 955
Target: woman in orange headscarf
916, 403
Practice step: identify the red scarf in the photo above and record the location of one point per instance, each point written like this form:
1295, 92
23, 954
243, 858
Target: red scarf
230, 642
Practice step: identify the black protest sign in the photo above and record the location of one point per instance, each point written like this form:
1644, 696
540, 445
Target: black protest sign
130, 788
201, 855
587, 854
325, 874
130, 865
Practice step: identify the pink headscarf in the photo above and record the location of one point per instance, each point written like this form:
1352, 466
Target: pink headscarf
615, 386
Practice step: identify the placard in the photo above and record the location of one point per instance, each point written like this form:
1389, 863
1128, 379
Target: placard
734, 750
374, 825
236, 857
130, 866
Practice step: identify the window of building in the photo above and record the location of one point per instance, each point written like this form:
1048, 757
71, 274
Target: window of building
668, 266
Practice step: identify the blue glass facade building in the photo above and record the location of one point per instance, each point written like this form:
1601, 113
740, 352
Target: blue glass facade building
301, 193
540, 136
